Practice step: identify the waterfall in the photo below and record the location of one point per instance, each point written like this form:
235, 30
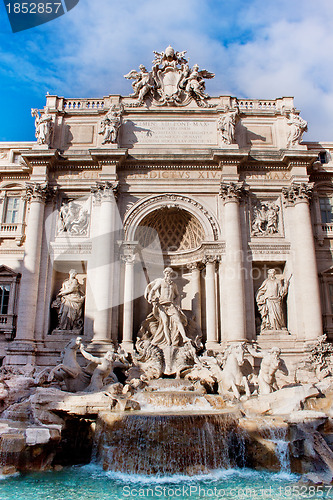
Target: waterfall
279, 436
169, 443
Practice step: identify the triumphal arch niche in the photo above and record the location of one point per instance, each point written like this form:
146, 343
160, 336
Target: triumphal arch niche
167, 213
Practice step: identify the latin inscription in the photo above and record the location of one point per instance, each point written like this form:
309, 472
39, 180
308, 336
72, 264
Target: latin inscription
174, 174
169, 132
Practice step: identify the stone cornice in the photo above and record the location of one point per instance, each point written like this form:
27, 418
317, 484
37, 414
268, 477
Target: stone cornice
40, 157
108, 156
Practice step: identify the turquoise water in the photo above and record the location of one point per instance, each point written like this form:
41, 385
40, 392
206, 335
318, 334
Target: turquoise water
92, 483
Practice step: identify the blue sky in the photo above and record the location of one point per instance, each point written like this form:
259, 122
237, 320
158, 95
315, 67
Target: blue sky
256, 48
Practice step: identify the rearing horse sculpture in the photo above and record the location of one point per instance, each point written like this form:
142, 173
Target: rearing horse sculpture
231, 376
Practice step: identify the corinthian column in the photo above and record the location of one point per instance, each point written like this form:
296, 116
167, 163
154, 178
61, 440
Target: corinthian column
104, 257
36, 196
233, 282
305, 277
211, 320
196, 290
129, 259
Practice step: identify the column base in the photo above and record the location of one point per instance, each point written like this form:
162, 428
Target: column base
212, 345
21, 352
100, 345
127, 346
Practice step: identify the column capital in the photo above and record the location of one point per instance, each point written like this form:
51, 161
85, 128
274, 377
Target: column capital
194, 266
105, 191
38, 192
297, 193
232, 191
128, 251
211, 259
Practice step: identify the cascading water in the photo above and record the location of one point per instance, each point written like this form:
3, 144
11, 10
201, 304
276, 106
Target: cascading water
169, 443
279, 436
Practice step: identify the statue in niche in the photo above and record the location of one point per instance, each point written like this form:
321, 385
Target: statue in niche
43, 125
269, 300
226, 124
266, 219
69, 303
73, 219
297, 128
165, 325
110, 125
143, 83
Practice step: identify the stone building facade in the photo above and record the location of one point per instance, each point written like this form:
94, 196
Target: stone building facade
220, 189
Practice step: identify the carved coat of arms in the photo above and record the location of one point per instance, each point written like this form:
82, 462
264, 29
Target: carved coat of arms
171, 82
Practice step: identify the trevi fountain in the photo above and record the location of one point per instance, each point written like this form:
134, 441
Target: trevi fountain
166, 294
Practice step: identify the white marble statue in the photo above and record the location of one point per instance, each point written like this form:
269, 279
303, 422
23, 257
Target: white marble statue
195, 83
166, 324
73, 219
43, 125
170, 82
269, 300
297, 128
103, 370
226, 124
69, 302
110, 125
69, 371
231, 375
270, 364
143, 83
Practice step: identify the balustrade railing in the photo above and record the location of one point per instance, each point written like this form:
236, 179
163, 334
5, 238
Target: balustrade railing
83, 104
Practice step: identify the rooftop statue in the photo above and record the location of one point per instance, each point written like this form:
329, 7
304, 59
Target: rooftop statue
297, 128
43, 125
171, 82
110, 125
226, 125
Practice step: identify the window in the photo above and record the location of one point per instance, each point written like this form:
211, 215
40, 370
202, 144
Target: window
12, 210
4, 298
322, 157
326, 210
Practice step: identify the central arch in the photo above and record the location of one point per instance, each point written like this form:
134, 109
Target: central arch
192, 220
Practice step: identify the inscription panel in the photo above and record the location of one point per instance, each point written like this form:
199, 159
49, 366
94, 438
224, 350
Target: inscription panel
169, 132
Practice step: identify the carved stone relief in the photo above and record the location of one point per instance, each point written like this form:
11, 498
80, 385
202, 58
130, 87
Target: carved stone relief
73, 218
266, 218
